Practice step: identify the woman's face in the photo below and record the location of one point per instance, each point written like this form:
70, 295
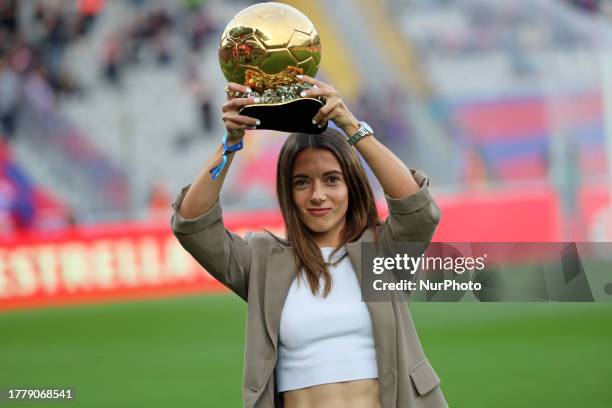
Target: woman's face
320, 194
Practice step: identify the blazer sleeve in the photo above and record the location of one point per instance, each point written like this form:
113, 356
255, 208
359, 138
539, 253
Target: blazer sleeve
413, 218
225, 255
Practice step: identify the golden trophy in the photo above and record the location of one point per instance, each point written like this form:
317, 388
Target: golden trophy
265, 47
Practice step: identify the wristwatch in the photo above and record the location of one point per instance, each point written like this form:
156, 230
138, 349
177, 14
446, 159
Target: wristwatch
363, 131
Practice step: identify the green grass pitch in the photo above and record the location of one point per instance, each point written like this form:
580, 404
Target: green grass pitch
187, 352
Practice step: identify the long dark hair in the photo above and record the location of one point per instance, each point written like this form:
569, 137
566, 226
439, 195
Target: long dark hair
361, 213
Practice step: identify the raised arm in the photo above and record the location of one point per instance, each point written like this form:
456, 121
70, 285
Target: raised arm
413, 214
197, 220
204, 191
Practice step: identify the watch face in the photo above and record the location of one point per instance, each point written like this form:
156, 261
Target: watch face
367, 127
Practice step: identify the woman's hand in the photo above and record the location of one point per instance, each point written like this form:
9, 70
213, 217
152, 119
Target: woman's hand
235, 123
334, 109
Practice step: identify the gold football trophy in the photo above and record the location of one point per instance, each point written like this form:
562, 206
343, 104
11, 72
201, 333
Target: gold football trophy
265, 47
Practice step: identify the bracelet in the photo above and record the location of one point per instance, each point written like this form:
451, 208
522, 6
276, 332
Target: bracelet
227, 149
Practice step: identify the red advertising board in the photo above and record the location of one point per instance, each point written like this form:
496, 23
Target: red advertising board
122, 261
144, 260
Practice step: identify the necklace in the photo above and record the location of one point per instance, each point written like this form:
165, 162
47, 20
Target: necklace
336, 262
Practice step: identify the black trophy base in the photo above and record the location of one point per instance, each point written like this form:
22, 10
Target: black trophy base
294, 116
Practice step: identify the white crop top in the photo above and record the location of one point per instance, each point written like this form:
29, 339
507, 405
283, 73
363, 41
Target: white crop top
325, 340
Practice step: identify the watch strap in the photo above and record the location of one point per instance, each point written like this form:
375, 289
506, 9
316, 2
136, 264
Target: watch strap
360, 134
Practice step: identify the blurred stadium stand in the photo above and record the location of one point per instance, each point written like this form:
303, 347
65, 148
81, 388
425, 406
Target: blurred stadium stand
22, 204
119, 99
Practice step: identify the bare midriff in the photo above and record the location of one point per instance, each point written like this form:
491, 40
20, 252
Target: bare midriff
348, 394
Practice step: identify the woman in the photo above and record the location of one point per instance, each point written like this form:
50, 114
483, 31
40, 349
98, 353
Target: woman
311, 342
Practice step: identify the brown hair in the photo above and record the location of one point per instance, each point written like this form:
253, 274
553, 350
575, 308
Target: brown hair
360, 215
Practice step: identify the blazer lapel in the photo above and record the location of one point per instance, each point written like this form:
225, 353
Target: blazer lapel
280, 272
383, 326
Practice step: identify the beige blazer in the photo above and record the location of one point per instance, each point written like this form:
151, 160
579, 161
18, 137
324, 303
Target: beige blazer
260, 269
